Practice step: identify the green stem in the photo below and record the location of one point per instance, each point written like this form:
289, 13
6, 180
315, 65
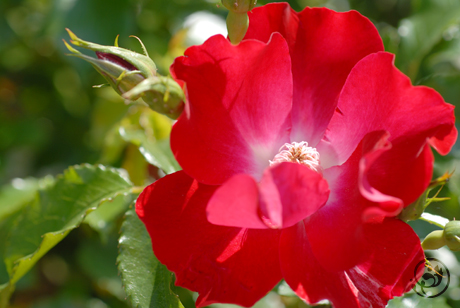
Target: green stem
435, 219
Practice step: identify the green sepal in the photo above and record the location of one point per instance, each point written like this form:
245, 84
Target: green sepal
414, 210
162, 94
239, 6
117, 76
141, 62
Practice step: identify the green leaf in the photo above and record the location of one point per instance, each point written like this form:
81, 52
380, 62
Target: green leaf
423, 30
159, 154
104, 218
434, 219
414, 300
150, 132
5, 288
136, 165
18, 193
146, 280
57, 210
271, 300
5, 292
284, 289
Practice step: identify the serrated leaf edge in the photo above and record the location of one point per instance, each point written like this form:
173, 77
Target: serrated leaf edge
119, 172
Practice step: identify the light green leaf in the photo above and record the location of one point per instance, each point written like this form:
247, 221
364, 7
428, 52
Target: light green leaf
284, 289
5, 292
56, 211
149, 132
146, 280
159, 154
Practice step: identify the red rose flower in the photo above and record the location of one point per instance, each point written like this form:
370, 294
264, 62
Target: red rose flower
299, 147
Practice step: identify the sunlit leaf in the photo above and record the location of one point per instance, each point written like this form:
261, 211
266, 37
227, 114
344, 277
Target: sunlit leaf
57, 210
146, 280
103, 219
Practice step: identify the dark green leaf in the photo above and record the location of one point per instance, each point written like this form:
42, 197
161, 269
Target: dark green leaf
146, 280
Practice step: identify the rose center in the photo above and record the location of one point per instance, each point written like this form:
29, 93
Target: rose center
298, 152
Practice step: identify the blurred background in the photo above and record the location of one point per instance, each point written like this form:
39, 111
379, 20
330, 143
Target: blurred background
51, 116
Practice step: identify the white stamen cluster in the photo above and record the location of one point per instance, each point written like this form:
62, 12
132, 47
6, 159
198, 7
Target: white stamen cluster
298, 152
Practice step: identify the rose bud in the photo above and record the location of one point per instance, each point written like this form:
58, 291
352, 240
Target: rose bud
450, 236
162, 94
125, 69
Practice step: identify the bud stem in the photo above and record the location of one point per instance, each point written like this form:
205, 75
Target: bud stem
237, 26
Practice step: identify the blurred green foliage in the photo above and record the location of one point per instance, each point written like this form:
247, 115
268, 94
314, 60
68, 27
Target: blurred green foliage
51, 117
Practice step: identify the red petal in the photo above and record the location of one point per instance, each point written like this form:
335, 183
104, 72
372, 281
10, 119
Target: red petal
377, 96
324, 46
287, 194
236, 204
343, 217
388, 205
390, 269
309, 279
223, 264
444, 139
290, 192
396, 175
238, 106
359, 195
